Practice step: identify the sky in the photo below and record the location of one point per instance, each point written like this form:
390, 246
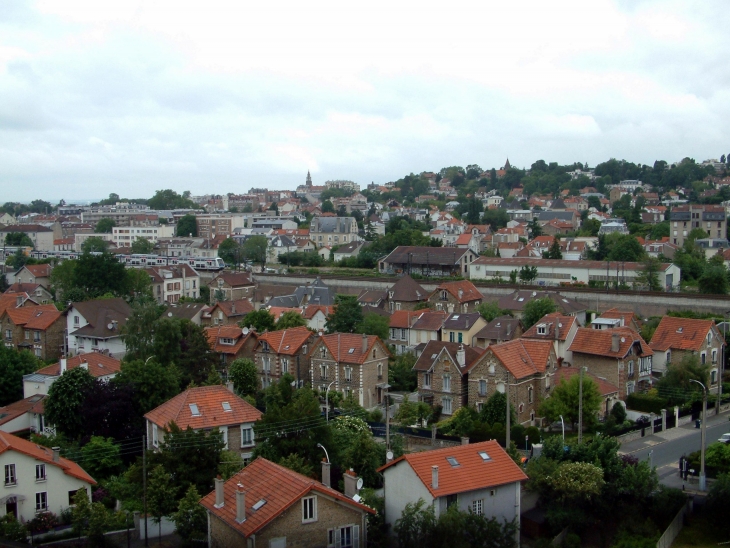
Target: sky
131, 96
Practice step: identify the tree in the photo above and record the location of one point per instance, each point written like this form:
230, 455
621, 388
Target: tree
95, 244
18, 239
328, 207
254, 249
494, 411
185, 344
160, 496
139, 285
490, 311
103, 403
244, 375
577, 482
536, 309
375, 324
554, 252
649, 276
62, 407
154, 383
534, 228
187, 226
11, 529
624, 247
138, 333
98, 519
565, 401
676, 380
717, 503
229, 251
101, 457
101, 274
401, 375
104, 226
62, 277
169, 199
346, 315
191, 520
290, 319
142, 246
81, 512
261, 320
618, 412
528, 273
714, 280
416, 525
13, 365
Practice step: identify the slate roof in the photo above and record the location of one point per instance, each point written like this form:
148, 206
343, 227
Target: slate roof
99, 365
347, 347
408, 290
604, 387
425, 255
434, 348
316, 292
186, 311
8, 442
209, 400
280, 487
285, 341
550, 322
39, 317
523, 357
100, 313
463, 291
501, 328
517, 301
680, 334
26, 228
472, 472
431, 320
598, 342
461, 321
372, 297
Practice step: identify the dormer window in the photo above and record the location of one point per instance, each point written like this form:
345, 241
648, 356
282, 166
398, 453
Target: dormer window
227, 341
541, 329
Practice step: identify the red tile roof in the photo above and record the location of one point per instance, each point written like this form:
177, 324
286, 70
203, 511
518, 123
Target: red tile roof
340, 346
473, 472
405, 319
598, 342
280, 487
239, 307
469, 292
277, 311
34, 317
286, 341
431, 320
604, 387
628, 317
215, 334
209, 400
311, 309
523, 357
463, 239
99, 365
39, 270
10, 300
681, 334
8, 442
32, 404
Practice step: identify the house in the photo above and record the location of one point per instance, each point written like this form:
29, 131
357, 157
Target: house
38, 479
193, 312
558, 328
624, 318
315, 293
228, 312
283, 352
96, 326
400, 325
170, 283
39, 329
480, 478
462, 328
332, 231
405, 294
426, 328
35, 274
516, 302
618, 355
462, 296
24, 417
41, 236
442, 372
206, 408
39, 293
269, 505
500, 329
10, 300
231, 286
99, 366
685, 218
522, 367
427, 261
230, 342
316, 316
608, 391
674, 338
372, 298
347, 251
356, 365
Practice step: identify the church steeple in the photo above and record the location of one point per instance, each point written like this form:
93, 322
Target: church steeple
506, 164
309, 179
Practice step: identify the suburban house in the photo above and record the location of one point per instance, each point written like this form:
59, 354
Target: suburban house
170, 283
206, 408
35, 274
350, 250
516, 302
626, 318
356, 365
282, 352
608, 391
193, 312
462, 328
481, 478
442, 372
39, 293
37, 479
227, 312
523, 368
100, 366
400, 325
426, 328
24, 417
39, 329
316, 315
500, 329
405, 294
96, 326
427, 261
618, 355
557, 328
269, 505
230, 342
315, 293
231, 286
456, 297
332, 231
674, 338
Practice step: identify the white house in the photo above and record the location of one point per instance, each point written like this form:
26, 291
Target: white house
95, 326
37, 479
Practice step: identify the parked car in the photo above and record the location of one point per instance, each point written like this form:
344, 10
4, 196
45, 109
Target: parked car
725, 438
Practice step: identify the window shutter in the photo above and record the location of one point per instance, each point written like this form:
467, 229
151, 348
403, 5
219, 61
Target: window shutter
338, 538
355, 536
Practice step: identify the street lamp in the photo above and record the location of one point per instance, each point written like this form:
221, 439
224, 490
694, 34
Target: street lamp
326, 403
563, 423
325, 451
704, 433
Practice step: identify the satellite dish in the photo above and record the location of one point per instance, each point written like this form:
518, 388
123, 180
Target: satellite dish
169, 314
389, 455
110, 326
244, 330
359, 483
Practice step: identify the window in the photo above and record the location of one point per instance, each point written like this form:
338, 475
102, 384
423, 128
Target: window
10, 478
266, 364
451, 336
246, 436
669, 356
476, 507
323, 371
8, 334
451, 500
309, 509
629, 388
482, 388
40, 472
76, 320
713, 376
37, 336
38, 352
714, 355
324, 352
460, 336
194, 409
703, 358
41, 502
284, 366
447, 383
392, 332
529, 394
155, 439
348, 374
27, 335
540, 329
631, 368
403, 334
446, 406
380, 371
427, 380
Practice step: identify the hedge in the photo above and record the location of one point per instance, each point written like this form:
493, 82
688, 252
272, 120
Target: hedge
645, 403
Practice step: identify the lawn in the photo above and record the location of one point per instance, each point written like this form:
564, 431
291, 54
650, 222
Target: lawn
699, 533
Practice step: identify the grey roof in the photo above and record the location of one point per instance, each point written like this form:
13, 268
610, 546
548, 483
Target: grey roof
37, 377
426, 255
317, 293
99, 314
550, 215
461, 321
501, 328
332, 224
408, 290
517, 301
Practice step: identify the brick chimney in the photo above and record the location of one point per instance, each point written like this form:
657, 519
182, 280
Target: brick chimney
364, 343
56, 453
240, 504
63, 365
434, 477
461, 356
219, 498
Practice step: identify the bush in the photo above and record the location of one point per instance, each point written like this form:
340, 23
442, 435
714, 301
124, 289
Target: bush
12, 529
43, 522
646, 403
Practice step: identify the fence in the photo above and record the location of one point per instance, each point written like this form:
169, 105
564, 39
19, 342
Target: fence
671, 532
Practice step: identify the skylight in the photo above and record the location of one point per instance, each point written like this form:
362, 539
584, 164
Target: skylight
286, 347
455, 317
433, 356
521, 299
194, 409
226, 406
258, 505
452, 461
485, 456
351, 351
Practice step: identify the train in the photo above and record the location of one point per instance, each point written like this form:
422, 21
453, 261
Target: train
212, 264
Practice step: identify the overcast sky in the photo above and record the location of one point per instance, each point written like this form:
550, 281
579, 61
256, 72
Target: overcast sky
130, 96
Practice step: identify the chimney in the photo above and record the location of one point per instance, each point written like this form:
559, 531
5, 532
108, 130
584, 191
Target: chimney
233, 308
434, 477
114, 325
56, 453
219, 492
461, 356
326, 473
461, 293
557, 330
84, 366
240, 504
350, 480
364, 343
229, 385
63, 365
464, 440
615, 342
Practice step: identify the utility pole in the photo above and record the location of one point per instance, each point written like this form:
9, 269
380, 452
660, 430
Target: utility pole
144, 486
703, 435
580, 408
507, 421
387, 420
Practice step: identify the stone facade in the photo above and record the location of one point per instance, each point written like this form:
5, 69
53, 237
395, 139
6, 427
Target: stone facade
271, 366
444, 385
46, 344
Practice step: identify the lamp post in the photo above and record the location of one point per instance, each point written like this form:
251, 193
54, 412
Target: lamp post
703, 435
325, 451
562, 422
326, 403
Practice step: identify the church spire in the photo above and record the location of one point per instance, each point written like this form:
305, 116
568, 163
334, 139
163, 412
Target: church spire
309, 179
507, 165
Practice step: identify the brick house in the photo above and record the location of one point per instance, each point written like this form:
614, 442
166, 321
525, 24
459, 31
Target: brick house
608, 391
39, 293
523, 367
500, 329
232, 286
462, 328
170, 283
230, 342
676, 337
618, 355
38, 329
405, 294
268, 505
227, 312
206, 408
559, 329
455, 297
442, 372
286, 351
356, 365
